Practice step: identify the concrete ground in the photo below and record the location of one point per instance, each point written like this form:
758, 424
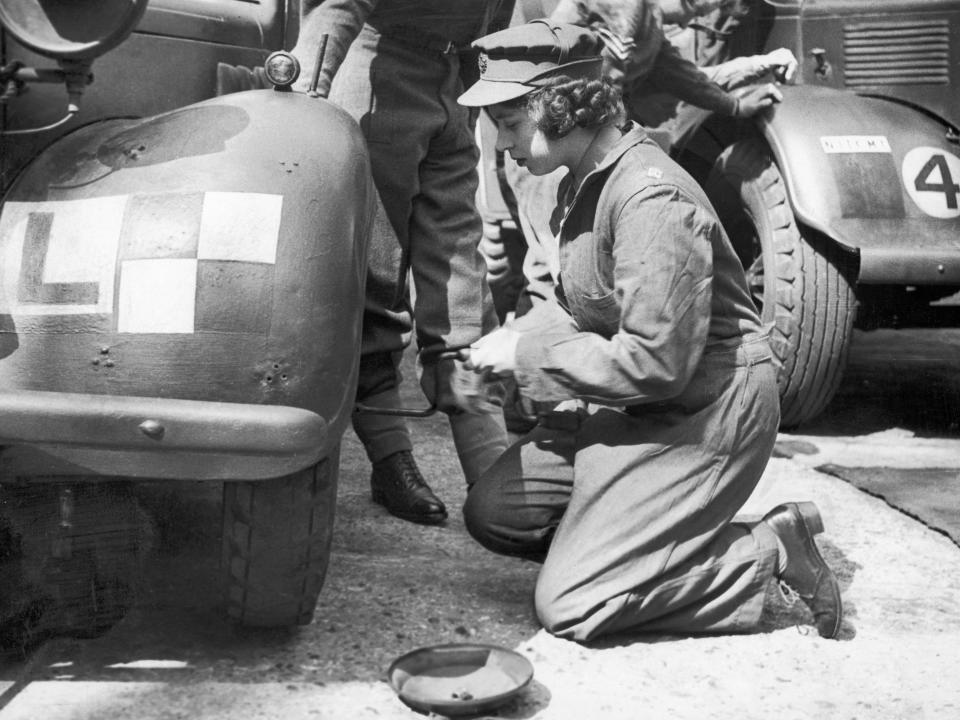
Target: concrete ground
393, 586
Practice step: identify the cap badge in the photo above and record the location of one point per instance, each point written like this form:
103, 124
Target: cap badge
482, 62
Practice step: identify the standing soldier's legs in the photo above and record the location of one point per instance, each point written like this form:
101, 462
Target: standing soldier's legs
453, 301
374, 86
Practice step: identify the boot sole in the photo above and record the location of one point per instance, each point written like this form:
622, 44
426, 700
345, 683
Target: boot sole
380, 498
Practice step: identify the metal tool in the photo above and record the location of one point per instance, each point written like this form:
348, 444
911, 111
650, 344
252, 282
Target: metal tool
428, 355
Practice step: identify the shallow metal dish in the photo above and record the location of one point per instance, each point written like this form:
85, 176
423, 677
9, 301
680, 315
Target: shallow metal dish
459, 679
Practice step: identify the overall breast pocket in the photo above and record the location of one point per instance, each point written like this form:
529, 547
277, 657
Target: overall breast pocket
600, 314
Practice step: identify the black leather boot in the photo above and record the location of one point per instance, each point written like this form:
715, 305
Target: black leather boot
805, 571
396, 483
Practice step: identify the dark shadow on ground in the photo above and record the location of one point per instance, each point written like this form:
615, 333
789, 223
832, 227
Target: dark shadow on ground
925, 494
908, 379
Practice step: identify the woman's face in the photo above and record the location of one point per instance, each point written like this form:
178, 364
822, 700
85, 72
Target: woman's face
519, 136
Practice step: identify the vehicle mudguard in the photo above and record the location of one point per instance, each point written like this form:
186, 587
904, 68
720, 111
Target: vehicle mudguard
878, 177
214, 254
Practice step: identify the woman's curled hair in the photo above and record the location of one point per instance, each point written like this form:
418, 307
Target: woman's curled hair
564, 104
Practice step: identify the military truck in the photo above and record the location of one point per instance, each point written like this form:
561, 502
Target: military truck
843, 201
184, 243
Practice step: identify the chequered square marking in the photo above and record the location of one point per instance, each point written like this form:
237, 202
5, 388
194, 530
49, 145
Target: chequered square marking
240, 226
157, 296
163, 225
131, 261
234, 297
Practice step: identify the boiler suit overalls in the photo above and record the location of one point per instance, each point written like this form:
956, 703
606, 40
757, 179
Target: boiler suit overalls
654, 332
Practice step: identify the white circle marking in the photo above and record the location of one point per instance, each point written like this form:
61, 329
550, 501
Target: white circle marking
922, 166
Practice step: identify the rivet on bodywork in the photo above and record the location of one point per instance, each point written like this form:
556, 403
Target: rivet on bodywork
104, 350
941, 269
152, 429
109, 363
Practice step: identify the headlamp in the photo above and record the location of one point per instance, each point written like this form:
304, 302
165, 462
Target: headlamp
282, 69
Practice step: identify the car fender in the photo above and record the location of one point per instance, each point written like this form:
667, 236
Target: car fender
213, 254
878, 177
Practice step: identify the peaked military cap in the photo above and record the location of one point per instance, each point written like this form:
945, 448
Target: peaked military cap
518, 60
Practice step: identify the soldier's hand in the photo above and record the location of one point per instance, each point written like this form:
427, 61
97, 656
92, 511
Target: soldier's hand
455, 389
757, 100
783, 63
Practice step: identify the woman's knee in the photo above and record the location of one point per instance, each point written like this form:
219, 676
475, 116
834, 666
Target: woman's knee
495, 520
479, 513
562, 611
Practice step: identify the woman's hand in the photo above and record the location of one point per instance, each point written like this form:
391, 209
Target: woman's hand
493, 355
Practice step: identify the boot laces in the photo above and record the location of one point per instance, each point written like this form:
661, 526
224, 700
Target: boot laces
406, 473
789, 595
408, 469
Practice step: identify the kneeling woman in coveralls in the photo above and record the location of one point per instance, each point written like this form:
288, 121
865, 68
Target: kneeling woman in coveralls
653, 337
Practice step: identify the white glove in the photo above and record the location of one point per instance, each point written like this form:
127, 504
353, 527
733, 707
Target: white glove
494, 355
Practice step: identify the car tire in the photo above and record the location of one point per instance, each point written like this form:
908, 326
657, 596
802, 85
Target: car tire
276, 545
811, 304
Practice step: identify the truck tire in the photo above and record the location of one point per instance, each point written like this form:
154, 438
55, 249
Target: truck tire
810, 303
276, 545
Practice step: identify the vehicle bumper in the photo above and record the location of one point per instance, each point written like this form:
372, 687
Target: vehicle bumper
906, 252
52, 433
849, 163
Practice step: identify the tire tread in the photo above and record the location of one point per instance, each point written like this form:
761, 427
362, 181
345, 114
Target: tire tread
814, 304
276, 545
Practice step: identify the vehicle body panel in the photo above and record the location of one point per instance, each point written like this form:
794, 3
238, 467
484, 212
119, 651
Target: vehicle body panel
138, 78
214, 253
865, 136
854, 177
263, 24
902, 50
182, 272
